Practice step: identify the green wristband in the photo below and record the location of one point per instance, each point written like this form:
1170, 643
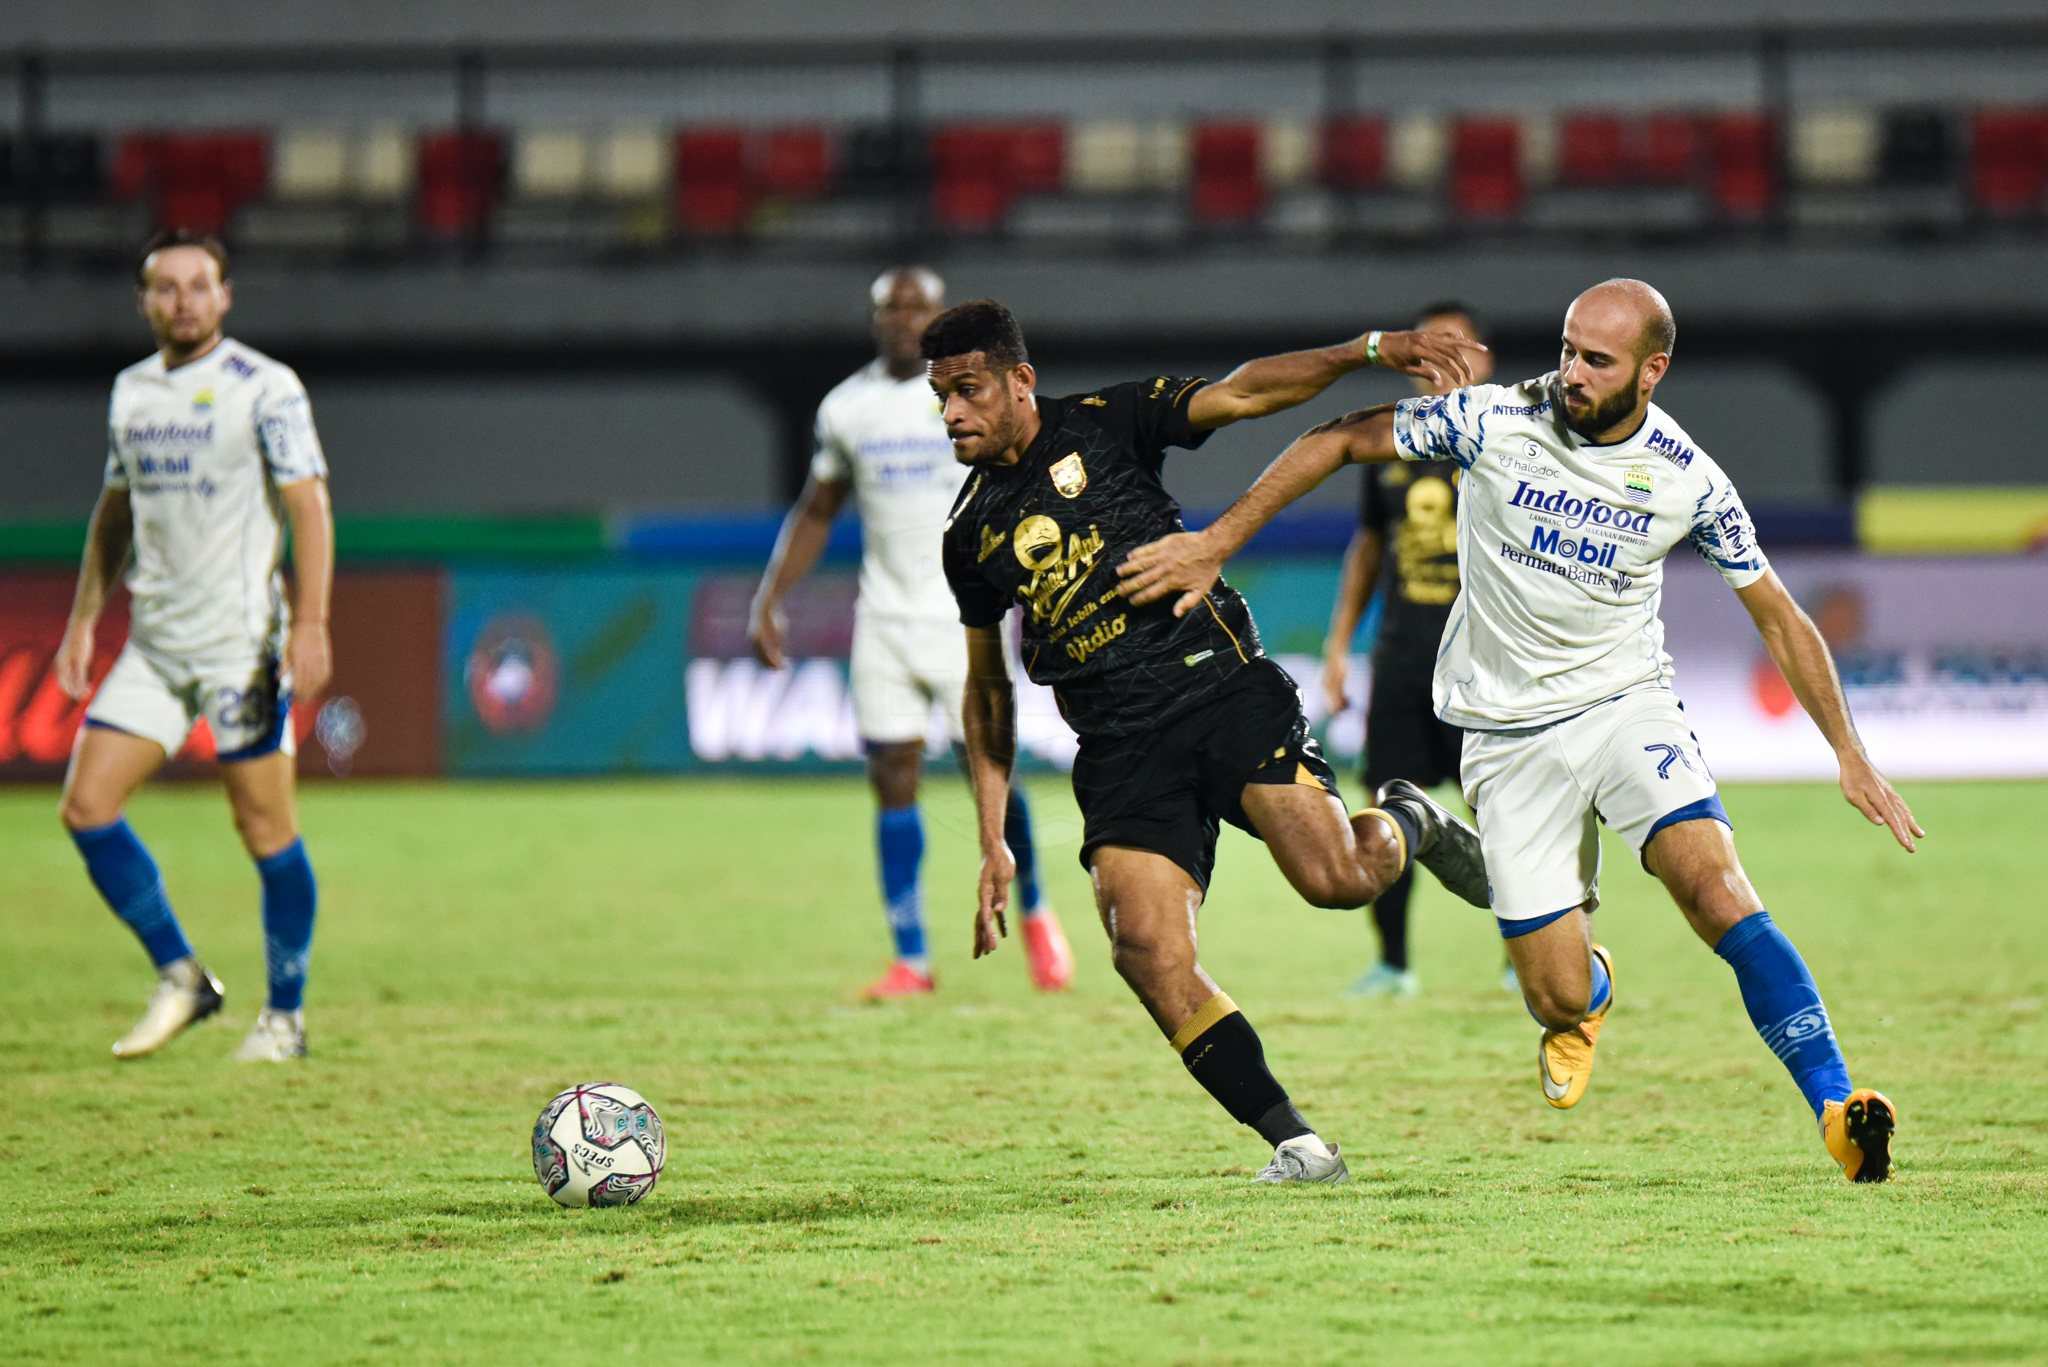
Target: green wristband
1372, 347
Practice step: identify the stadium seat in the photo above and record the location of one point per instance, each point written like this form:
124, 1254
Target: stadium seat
2009, 160
796, 162
1416, 151
1744, 147
550, 163
311, 164
881, 159
1038, 158
192, 180
384, 164
1227, 188
713, 190
630, 163
1486, 170
1287, 154
1916, 147
1354, 152
460, 176
1105, 156
970, 177
1835, 146
1591, 151
1668, 152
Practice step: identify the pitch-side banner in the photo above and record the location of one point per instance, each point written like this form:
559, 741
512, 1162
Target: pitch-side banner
636, 669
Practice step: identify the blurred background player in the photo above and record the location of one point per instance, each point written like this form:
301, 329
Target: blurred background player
880, 437
212, 452
1412, 509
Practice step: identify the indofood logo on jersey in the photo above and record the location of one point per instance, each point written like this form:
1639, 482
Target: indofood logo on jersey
165, 433
1579, 512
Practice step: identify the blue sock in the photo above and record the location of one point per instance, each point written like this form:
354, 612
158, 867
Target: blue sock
900, 837
289, 899
1603, 988
1785, 1006
1017, 835
127, 877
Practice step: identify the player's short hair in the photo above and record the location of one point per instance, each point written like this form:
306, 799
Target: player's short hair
180, 237
981, 325
1453, 308
926, 277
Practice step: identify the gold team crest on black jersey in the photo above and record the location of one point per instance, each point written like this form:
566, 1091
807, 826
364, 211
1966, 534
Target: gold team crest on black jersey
989, 541
1068, 477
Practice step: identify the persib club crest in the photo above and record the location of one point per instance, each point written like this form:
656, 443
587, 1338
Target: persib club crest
1068, 477
1639, 483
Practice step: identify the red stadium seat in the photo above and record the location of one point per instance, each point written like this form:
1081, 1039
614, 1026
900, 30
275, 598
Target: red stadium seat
1592, 150
196, 181
1038, 158
460, 178
796, 161
971, 176
1354, 152
1227, 188
713, 190
1670, 149
1745, 164
2009, 159
1486, 167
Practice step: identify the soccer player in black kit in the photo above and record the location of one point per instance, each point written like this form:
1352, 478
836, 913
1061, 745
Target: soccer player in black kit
1183, 721
1407, 537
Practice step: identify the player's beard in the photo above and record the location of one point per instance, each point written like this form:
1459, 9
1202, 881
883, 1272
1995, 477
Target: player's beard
1605, 414
999, 437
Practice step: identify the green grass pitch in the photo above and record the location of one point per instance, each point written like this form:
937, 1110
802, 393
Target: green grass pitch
989, 1176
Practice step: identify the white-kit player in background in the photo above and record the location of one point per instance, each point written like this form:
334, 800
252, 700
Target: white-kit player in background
880, 438
212, 453
1576, 486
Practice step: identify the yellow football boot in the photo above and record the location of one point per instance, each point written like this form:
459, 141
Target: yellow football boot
1564, 1061
1858, 1133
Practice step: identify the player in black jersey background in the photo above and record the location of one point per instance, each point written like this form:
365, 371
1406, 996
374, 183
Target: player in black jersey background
1406, 546
1183, 721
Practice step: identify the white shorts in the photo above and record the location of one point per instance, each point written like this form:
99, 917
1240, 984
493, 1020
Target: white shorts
901, 669
1632, 762
247, 705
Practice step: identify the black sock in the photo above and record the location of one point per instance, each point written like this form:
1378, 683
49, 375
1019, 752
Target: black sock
1226, 1058
1390, 918
1410, 837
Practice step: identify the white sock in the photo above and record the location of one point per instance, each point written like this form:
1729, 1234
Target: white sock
1308, 1143
921, 964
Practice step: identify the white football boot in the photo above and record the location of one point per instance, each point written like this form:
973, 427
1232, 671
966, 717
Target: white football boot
1306, 1159
185, 992
277, 1037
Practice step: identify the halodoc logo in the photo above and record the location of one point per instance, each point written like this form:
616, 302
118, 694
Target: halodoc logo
1579, 512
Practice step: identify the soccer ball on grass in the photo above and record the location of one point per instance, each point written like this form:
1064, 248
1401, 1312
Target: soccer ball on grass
598, 1144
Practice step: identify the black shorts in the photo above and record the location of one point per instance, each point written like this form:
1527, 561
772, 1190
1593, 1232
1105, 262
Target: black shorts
1166, 790
1403, 737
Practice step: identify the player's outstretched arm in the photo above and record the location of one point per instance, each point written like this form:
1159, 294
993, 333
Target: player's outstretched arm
307, 653
1272, 383
1188, 562
1802, 657
1355, 584
797, 547
106, 549
989, 712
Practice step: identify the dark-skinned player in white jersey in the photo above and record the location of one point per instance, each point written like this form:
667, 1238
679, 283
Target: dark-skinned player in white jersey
1576, 486
1183, 721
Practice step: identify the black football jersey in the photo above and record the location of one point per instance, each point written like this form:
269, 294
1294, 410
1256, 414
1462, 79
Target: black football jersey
1049, 532
1413, 505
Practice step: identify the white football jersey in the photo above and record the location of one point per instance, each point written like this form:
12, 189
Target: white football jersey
201, 451
885, 436
1561, 544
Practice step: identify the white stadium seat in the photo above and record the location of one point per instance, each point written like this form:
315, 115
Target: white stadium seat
310, 164
1836, 146
550, 163
630, 163
383, 165
1287, 154
1417, 146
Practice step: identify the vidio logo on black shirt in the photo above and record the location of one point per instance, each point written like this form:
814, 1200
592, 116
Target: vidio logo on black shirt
1049, 532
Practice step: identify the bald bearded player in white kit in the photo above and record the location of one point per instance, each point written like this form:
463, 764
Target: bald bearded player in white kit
880, 439
1575, 488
